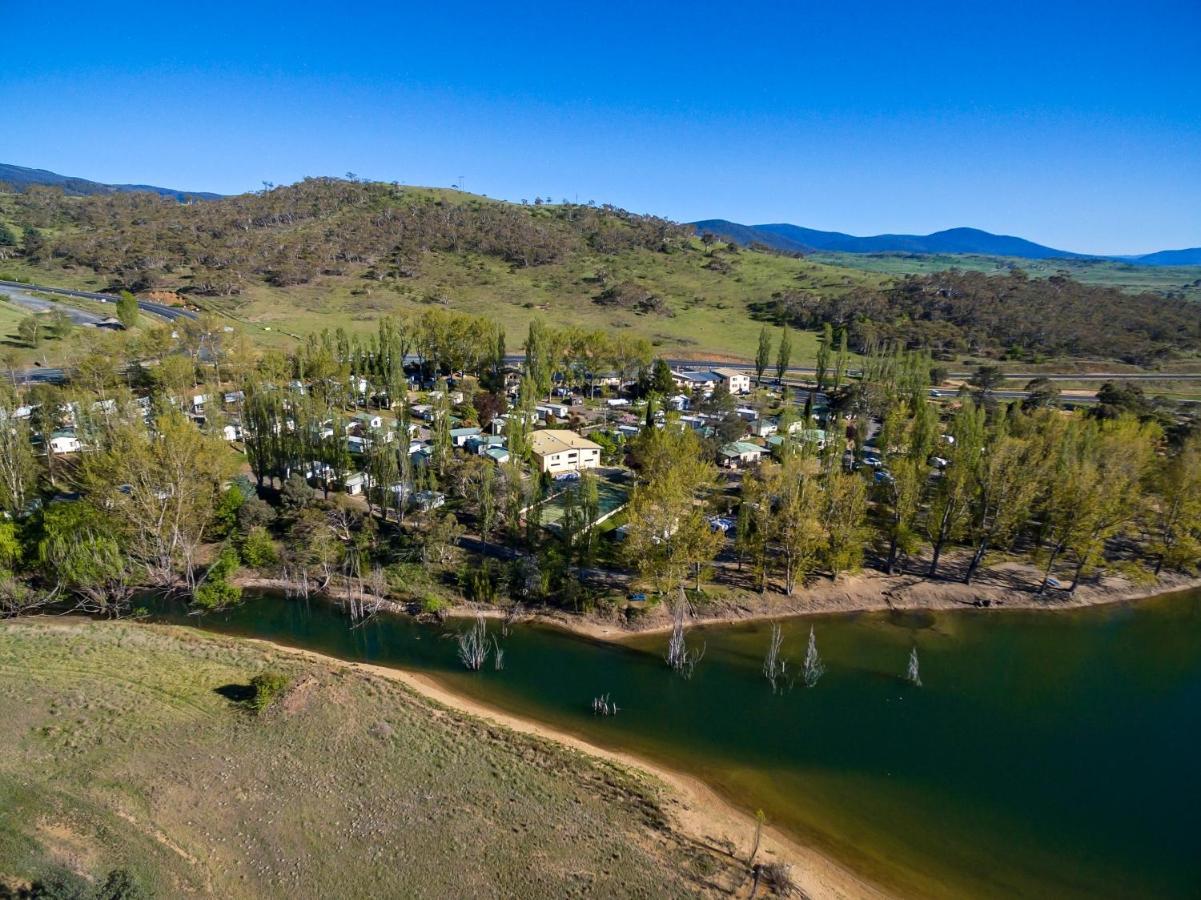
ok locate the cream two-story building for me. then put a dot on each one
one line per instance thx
(559, 450)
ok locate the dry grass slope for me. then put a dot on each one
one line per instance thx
(119, 751)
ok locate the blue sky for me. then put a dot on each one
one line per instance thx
(1073, 124)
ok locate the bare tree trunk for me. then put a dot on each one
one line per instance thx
(977, 558)
(1050, 565)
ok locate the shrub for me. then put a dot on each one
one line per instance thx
(266, 687)
(432, 604)
(258, 549)
(225, 516)
(255, 512)
(216, 591)
(296, 493)
(120, 885)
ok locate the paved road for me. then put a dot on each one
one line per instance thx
(45, 375)
(25, 300)
(170, 313)
(1012, 376)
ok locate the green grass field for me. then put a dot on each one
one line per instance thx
(119, 751)
(10, 316)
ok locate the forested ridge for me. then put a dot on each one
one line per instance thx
(289, 235)
(957, 311)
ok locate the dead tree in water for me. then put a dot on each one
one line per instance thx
(296, 583)
(913, 675)
(473, 645)
(498, 655)
(369, 598)
(814, 667)
(603, 706)
(678, 656)
(774, 668)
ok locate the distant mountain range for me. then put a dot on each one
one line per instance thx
(21, 177)
(795, 239)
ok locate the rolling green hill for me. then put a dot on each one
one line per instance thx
(328, 253)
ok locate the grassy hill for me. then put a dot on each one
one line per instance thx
(123, 748)
(335, 253)
(460, 251)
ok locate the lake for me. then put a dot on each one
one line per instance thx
(1046, 754)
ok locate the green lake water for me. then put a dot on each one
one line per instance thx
(1047, 754)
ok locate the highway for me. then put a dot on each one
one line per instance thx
(25, 300)
(170, 313)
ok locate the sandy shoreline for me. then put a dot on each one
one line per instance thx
(1005, 587)
(695, 808)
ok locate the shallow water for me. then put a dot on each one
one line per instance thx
(1047, 754)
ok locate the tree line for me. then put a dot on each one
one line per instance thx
(1105, 488)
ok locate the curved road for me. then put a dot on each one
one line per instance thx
(170, 313)
(25, 300)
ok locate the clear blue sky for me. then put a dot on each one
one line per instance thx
(1073, 124)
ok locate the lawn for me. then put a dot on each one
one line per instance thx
(123, 748)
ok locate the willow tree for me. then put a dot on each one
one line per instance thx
(950, 503)
(843, 515)
(82, 556)
(1174, 509)
(1092, 488)
(1123, 455)
(18, 465)
(1004, 489)
(159, 487)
